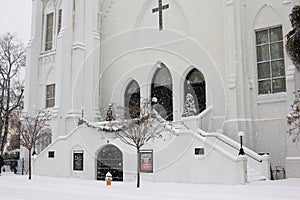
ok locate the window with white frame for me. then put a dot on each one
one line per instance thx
(270, 61)
(49, 31)
(53, 16)
(50, 96)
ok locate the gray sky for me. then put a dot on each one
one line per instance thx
(15, 17)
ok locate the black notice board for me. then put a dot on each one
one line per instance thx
(78, 160)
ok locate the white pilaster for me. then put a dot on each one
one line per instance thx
(32, 61)
(292, 162)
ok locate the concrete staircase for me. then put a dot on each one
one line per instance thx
(253, 175)
(258, 166)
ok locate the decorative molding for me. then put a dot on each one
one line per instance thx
(232, 82)
(228, 2)
(30, 42)
(96, 34)
(78, 45)
(74, 113)
(251, 83)
(272, 98)
(61, 32)
(287, 2)
(233, 120)
(47, 58)
(54, 112)
(290, 73)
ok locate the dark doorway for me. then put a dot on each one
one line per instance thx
(110, 159)
(161, 89)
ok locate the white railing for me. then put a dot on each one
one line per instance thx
(260, 163)
(201, 121)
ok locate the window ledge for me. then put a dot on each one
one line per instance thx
(48, 53)
(271, 98)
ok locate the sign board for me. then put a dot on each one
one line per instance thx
(78, 160)
(146, 157)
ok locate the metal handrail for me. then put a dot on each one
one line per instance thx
(217, 137)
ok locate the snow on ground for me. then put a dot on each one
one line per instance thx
(14, 187)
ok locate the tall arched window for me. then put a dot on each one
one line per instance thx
(49, 26)
(194, 93)
(53, 15)
(132, 99)
(162, 90)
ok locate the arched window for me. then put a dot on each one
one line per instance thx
(132, 99)
(162, 90)
(194, 93)
(52, 24)
(270, 59)
(48, 26)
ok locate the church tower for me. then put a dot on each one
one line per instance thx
(63, 54)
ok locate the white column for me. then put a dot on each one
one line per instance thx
(241, 170)
(266, 164)
(238, 101)
(32, 55)
(77, 57)
(63, 71)
(92, 60)
(231, 65)
(292, 162)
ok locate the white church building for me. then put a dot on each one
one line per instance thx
(225, 57)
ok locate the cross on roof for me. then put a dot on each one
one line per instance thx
(160, 9)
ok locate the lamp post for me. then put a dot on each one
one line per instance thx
(241, 134)
(34, 152)
(82, 112)
(154, 100)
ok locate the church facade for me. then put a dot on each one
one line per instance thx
(216, 68)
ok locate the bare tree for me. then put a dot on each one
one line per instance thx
(135, 132)
(138, 131)
(31, 131)
(293, 119)
(12, 58)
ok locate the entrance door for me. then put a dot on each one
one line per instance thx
(110, 159)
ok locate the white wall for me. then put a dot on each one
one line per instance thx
(174, 159)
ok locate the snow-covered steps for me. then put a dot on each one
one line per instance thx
(258, 166)
(253, 175)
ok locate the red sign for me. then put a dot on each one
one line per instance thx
(146, 161)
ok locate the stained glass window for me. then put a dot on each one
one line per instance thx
(194, 93)
(132, 99)
(161, 89)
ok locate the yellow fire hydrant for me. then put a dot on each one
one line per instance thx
(108, 179)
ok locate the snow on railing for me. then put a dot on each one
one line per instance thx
(260, 163)
(198, 121)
